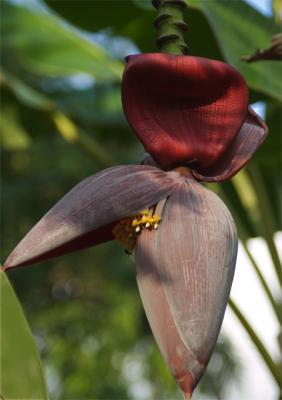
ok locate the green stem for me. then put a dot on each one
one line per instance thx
(170, 26)
(268, 223)
(273, 368)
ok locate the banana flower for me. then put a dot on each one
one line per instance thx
(192, 116)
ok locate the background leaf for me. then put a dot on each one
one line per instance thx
(95, 16)
(21, 372)
(48, 46)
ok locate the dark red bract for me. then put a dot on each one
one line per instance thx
(189, 110)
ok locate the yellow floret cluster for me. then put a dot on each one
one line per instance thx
(128, 229)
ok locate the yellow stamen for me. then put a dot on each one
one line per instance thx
(135, 222)
(145, 212)
(128, 229)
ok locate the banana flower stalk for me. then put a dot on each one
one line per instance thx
(192, 116)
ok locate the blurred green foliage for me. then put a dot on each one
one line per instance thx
(59, 49)
(19, 356)
(64, 58)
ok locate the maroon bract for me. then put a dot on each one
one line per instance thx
(192, 111)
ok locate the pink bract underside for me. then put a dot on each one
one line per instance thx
(89, 239)
(83, 217)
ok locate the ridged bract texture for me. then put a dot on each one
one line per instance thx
(184, 273)
(191, 111)
(178, 104)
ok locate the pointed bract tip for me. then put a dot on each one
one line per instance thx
(4, 267)
(186, 384)
(87, 214)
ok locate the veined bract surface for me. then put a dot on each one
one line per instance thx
(184, 272)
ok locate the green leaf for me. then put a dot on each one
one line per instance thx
(98, 15)
(49, 45)
(240, 30)
(23, 376)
